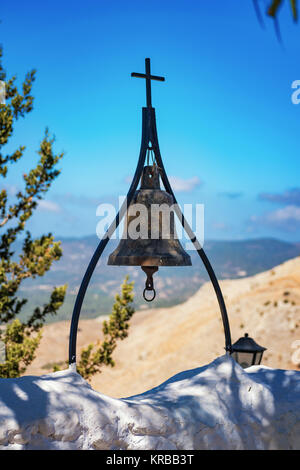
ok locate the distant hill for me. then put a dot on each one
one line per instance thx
(230, 259)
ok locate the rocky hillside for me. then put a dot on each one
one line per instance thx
(230, 259)
(165, 341)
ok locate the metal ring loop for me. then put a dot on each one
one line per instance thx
(154, 294)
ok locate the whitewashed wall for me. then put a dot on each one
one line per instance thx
(220, 406)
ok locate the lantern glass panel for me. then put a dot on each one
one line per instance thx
(258, 358)
(244, 359)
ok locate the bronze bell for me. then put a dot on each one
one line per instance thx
(149, 239)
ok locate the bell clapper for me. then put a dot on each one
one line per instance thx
(149, 270)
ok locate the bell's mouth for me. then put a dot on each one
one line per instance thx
(159, 261)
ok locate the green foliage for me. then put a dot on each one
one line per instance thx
(37, 255)
(273, 12)
(20, 347)
(274, 8)
(116, 328)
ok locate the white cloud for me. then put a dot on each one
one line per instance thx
(49, 206)
(11, 189)
(184, 185)
(178, 184)
(286, 218)
(288, 213)
(291, 197)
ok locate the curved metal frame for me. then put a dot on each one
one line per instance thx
(149, 134)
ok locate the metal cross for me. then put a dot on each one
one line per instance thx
(148, 78)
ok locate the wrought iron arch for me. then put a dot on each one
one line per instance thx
(149, 134)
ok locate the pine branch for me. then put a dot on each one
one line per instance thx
(37, 255)
(94, 357)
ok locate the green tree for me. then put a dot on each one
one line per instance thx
(276, 4)
(21, 338)
(273, 9)
(95, 356)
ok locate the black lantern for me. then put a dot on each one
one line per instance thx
(247, 352)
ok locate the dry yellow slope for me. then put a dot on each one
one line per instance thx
(166, 341)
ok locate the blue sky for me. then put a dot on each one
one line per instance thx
(228, 130)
